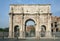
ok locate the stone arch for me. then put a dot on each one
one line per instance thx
(32, 30)
(16, 30)
(30, 19)
(43, 30)
(43, 27)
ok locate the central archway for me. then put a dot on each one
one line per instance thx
(30, 28)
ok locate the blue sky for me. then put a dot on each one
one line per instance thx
(4, 8)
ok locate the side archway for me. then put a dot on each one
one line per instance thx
(43, 30)
(16, 31)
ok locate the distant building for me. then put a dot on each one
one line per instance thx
(55, 23)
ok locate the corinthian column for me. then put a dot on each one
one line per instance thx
(11, 33)
(11, 26)
(48, 32)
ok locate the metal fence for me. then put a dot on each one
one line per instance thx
(6, 34)
(56, 34)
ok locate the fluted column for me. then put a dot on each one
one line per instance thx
(37, 27)
(48, 32)
(11, 26)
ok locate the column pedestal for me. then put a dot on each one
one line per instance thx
(22, 36)
(48, 35)
(11, 34)
(37, 35)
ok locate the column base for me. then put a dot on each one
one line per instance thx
(10, 37)
(21, 37)
(48, 34)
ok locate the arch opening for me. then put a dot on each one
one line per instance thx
(16, 31)
(30, 28)
(43, 30)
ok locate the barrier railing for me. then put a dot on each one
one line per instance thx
(56, 34)
(42, 34)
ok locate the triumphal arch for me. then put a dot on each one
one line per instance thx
(20, 14)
